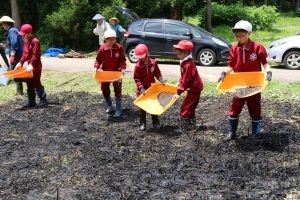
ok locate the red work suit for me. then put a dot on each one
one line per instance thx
(32, 55)
(111, 59)
(144, 74)
(191, 82)
(247, 59)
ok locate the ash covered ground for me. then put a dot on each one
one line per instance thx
(73, 150)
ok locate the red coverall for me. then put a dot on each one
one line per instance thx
(32, 55)
(112, 59)
(144, 74)
(247, 59)
(192, 83)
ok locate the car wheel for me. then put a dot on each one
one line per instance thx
(131, 55)
(207, 57)
(292, 60)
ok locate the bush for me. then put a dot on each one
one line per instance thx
(261, 18)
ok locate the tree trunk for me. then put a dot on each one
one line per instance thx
(177, 13)
(297, 6)
(280, 5)
(208, 25)
(266, 2)
(15, 15)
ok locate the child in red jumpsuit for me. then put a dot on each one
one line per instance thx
(111, 58)
(245, 56)
(191, 82)
(145, 71)
(32, 55)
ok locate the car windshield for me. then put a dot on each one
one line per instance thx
(200, 29)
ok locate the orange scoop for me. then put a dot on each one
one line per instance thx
(149, 101)
(107, 76)
(18, 73)
(240, 80)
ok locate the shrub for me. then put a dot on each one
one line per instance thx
(261, 18)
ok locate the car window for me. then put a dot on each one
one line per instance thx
(174, 29)
(195, 33)
(137, 26)
(154, 27)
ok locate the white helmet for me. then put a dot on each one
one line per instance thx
(109, 33)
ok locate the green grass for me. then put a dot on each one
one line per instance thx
(56, 82)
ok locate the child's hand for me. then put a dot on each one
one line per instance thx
(177, 96)
(142, 91)
(162, 80)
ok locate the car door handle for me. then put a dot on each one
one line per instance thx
(143, 35)
(169, 39)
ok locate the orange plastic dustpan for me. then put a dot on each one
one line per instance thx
(151, 102)
(107, 76)
(18, 73)
(243, 80)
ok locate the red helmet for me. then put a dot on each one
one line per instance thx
(184, 45)
(25, 28)
(141, 51)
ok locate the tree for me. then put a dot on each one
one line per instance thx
(15, 15)
(208, 25)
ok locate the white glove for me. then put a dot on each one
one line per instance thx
(123, 72)
(29, 68)
(177, 96)
(19, 65)
(177, 84)
(95, 70)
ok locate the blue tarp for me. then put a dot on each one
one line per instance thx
(53, 52)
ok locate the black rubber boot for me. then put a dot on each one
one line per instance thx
(233, 125)
(155, 122)
(31, 98)
(142, 120)
(183, 126)
(42, 95)
(19, 88)
(109, 108)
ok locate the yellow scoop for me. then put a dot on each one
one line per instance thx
(157, 99)
(251, 82)
(18, 73)
(107, 76)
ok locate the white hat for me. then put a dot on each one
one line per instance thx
(6, 19)
(243, 25)
(98, 16)
(109, 33)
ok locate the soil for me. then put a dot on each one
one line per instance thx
(72, 149)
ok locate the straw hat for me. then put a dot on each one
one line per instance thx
(114, 18)
(6, 19)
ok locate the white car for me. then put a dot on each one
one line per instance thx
(287, 51)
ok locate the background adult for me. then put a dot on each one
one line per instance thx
(101, 27)
(114, 25)
(14, 44)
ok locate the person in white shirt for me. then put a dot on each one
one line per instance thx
(101, 27)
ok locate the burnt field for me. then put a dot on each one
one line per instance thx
(73, 150)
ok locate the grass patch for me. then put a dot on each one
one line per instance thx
(56, 82)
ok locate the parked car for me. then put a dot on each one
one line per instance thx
(161, 34)
(287, 51)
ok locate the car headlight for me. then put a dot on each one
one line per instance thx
(220, 42)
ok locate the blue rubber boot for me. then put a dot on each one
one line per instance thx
(256, 126)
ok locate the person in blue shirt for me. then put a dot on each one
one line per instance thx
(114, 25)
(14, 45)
